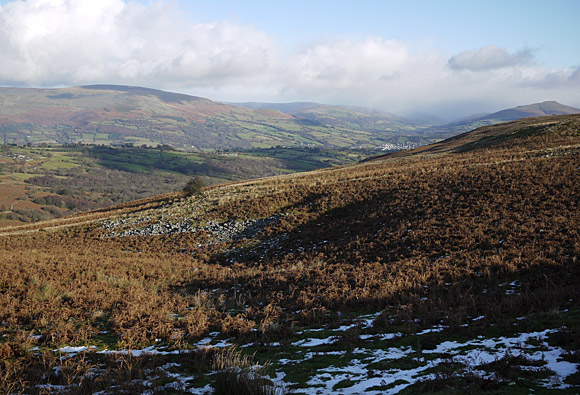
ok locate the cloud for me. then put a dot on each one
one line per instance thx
(575, 76)
(47, 43)
(51, 42)
(490, 57)
(367, 71)
(342, 63)
(392, 75)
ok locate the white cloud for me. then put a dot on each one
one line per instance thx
(490, 57)
(72, 42)
(371, 71)
(348, 62)
(48, 42)
(391, 75)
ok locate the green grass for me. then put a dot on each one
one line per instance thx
(21, 176)
(65, 164)
(389, 386)
(59, 163)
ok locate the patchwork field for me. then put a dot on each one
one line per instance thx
(115, 115)
(40, 182)
(449, 269)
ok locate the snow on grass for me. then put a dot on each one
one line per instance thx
(357, 377)
(382, 336)
(74, 350)
(204, 342)
(490, 350)
(349, 372)
(151, 350)
(313, 342)
(562, 369)
(505, 342)
(436, 328)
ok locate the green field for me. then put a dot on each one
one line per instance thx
(115, 115)
(80, 177)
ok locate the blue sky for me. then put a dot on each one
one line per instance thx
(551, 27)
(448, 58)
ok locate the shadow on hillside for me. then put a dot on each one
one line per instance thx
(432, 259)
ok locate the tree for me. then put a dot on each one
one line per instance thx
(194, 186)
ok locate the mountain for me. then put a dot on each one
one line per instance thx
(114, 115)
(452, 268)
(531, 110)
(532, 133)
(362, 118)
(432, 127)
(122, 115)
(287, 108)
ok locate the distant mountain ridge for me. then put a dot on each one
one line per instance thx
(120, 115)
(530, 133)
(288, 108)
(511, 114)
(430, 124)
(117, 114)
(367, 119)
(168, 97)
(533, 110)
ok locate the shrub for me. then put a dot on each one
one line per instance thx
(194, 186)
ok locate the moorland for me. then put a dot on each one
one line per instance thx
(449, 268)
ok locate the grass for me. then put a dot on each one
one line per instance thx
(52, 171)
(237, 373)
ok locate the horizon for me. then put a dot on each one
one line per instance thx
(403, 115)
(447, 59)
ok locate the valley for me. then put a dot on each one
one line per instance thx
(449, 268)
(274, 198)
(41, 182)
(120, 115)
(73, 149)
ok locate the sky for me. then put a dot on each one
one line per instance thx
(445, 58)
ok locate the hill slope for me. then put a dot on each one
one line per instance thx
(527, 111)
(447, 269)
(529, 133)
(360, 118)
(533, 110)
(110, 114)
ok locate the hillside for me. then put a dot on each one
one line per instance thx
(534, 110)
(360, 118)
(39, 182)
(429, 126)
(528, 132)
(121, 115)
(114, 115)
(527, 111)
(450, 269)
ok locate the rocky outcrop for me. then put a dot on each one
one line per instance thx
(231, 230)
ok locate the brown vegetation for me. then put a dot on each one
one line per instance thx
(434, 239)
